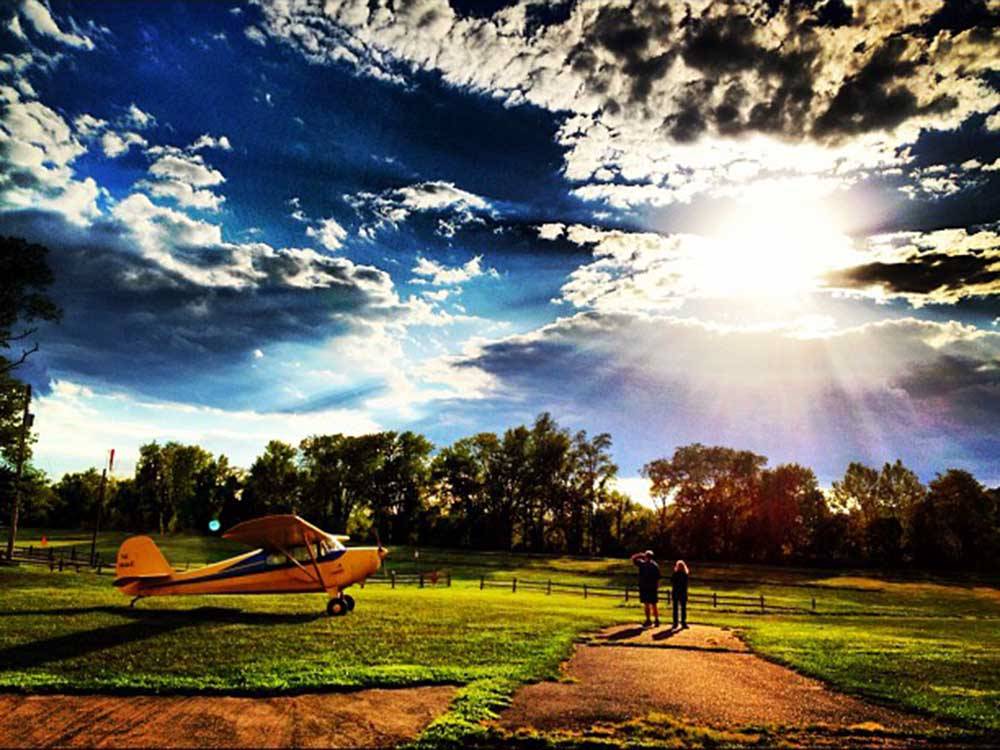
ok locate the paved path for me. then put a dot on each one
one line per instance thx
(366, 718)
(704, 675)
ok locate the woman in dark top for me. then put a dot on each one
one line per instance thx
(649, 584)
(679, 592)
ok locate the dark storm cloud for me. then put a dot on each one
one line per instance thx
(626, 33)
(877, 98)
(934, 275)
(129, 319)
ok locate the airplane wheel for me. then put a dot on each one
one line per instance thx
(337, 607)
(350, 602)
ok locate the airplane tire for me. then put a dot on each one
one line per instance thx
(350, 602)
(337, 607)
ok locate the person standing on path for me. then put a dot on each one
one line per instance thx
(679, 592)
(649, 584)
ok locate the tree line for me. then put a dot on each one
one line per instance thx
(543, 488)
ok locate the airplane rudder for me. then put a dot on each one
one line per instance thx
(139, 556)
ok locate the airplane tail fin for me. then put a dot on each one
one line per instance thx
(139, 557)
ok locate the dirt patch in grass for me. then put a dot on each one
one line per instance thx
(703, 675)
(366, 718)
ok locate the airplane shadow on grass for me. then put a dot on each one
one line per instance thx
(146, 623)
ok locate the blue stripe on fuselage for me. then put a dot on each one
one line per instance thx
(257, 563)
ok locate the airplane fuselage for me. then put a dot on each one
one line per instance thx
(261, 572)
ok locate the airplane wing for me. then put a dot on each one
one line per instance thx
(277, 533)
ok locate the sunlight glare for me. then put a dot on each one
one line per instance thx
(777, 243)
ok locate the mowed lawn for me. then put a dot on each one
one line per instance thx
(67, 631)
(927, 645)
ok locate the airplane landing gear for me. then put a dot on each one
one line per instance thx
(338, 606)
(350, 602)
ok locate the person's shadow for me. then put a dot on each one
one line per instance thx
(662, 635)
(625, 633)
(146, 623)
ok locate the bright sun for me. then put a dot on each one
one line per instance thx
(777, 243)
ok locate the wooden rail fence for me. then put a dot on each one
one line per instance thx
(631, 593)
(421, 579)
(58, 558)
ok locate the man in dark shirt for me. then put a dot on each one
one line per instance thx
(649, 584)
(679, 592)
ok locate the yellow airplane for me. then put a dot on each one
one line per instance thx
(294, 557)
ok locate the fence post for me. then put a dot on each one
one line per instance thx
(60, 563)
(814, 604)
(421, 580)
(715, 600)
(30, 550)
(626, 594)
(548, 589)
(762, 603)
(670, 593)
(448, 577)
(392, 578)
(513, 586)
(98, 566)
(584, 591)
(482, 582)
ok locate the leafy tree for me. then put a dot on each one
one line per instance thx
(786, 514)
(593, 470)
(957, 523)
(165, 482)
(710, 492)
(403, 479)
(23, 299)
(76, 498)
(879, 505)
(273, 482)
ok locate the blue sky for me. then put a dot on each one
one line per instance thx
(753, 224)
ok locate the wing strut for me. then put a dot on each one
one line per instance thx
(312, 557)
(303, 569)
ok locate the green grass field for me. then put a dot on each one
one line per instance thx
(931, 646)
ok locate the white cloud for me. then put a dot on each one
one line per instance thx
(40, 17)
(392, 207)
(190, 169)
(183, 177)
(329, 233)
(630, 108)
(39, 149)
(207, 141)
(88, 125)
(115, 144)
(194, 249)
(77, 424)
(255, 35)
(138, 118)
(439, 274)
(183, 194)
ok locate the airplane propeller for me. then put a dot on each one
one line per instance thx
(382, 552)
